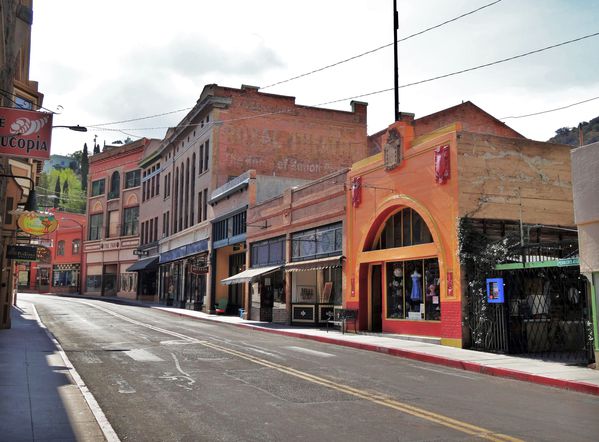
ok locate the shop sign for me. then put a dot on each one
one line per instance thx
(21, 253)
(495, 291)
(198, 270)
(25, 133)
(37, 223)
(140, 252)
(43, 254)
(568, 262)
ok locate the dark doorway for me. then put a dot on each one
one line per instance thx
(376, 296)
(236, 265)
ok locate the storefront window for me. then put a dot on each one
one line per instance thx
(320, 242)
(412, 290)
(269, 252)
(93, 283)
(129, 282)
(65, 278)
(317, 286)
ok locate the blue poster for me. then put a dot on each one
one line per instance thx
(495, 290)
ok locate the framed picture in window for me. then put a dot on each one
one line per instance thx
(325, 298)
(306, 292)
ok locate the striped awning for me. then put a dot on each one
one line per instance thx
(314, 264)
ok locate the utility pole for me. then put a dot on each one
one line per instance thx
(395, 65)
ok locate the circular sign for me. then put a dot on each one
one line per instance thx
(36, 223)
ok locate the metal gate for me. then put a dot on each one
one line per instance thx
(544, 315)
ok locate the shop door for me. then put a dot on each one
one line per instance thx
(109, 280)
(43, 277)
(236, 264)
(376, 296)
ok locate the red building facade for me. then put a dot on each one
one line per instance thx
(60, 258)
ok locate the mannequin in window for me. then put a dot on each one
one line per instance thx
(416, 294)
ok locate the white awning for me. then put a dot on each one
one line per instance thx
(248, 275)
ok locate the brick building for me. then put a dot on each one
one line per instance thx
(114, 184)
(59, 265)
(296, 253)
(228, 132)
(441, 186)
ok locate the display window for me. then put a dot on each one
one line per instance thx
(413, 290)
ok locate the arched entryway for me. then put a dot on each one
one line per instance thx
(400, 268)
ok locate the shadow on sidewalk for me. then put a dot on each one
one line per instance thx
(38, 400)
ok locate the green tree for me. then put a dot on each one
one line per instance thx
(84, 166)
(57, 194)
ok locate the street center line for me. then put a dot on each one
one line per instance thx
(380, 399)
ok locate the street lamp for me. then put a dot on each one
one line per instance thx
(76, 128)
(31, 203)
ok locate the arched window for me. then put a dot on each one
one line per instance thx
(404, 228)
(192, 191)
(186, 216)
(176, 200)
(115, 185)
(76, 246)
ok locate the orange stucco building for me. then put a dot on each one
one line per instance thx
(405, 203)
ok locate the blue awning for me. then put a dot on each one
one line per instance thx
(184, 251)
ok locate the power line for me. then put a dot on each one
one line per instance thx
(369, 93)
(536, 51)
(551, 110)
(139, 119)
(7, 93)
(381, 47)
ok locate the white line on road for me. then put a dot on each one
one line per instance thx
(141, 355)
(124, 386)
(311, 352)
(420, 367)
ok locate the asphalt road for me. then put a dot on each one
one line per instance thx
(159, 377)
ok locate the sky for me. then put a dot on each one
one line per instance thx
(107, 61)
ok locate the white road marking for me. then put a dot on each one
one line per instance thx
(173, 377)
(442, 372)
(141, 355)
(311, 352)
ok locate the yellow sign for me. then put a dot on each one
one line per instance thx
(36, 223)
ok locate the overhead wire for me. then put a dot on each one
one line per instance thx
(551, 110)
(381, 47)
(462, 71)
(503, 60)
(319, 69)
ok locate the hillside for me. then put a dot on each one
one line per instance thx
(569, 135)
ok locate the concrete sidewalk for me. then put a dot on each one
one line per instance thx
(40, 394)
(554, 374)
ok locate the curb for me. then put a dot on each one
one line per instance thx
(474, 367)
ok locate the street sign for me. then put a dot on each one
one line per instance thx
(21, 253)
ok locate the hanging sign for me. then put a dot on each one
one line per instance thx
(442, 164)
(37, 223)
(356, 191)
(25, 133)
(43, 254)
(21, 253)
